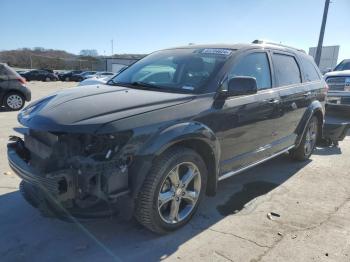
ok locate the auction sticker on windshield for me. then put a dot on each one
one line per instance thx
(217, 51)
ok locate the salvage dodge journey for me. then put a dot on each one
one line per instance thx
(160, 135)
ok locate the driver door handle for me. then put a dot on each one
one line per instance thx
(307, 94)
(274, 101)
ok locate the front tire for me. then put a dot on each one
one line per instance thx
(308, 141)
(172, 191)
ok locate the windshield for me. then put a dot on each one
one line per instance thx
(344, 65)
(177, 70)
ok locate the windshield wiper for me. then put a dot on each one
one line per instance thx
(143, 84)
(137, 84)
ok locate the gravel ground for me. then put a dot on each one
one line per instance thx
(312, 200)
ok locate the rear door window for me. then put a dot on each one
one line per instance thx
(254, 65)
(286, 69)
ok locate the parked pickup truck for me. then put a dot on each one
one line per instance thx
(338, 102)
(161, 134)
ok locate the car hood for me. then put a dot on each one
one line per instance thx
(338, 73)
(85, 109)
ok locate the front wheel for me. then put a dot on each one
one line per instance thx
(172, 190)
(308, 141)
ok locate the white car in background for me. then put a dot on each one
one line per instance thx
(95, 81)
(100, 78)
(100, 75)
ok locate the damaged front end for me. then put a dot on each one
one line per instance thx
(77, 175)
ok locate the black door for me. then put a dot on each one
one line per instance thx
(247, 123)
(41, 75)
(32, 75)
(295, 97)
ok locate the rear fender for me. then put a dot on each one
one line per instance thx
(315, 108)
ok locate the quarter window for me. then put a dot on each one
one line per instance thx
(286, 69)
(310, 71)
(254, 65)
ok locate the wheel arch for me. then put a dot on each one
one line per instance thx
(193, 135)
(315, 109)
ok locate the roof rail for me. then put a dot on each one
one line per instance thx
(257, 41)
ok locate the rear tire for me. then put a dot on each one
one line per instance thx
(168, 201)
(14, 101)
(308, 141)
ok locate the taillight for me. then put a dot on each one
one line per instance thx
(22, 80)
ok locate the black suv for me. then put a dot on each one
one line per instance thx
(162, 133)
(40, 75)
(67, 76)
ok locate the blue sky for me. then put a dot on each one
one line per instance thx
(144, 26)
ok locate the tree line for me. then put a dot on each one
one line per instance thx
(39, 57)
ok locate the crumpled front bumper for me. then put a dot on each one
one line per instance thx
(53, 194)
(28, 174)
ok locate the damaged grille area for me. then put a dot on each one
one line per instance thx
(77, 170)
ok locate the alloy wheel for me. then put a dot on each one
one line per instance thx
(311, 137)
(179, 193)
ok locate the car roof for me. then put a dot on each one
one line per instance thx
(242, 47)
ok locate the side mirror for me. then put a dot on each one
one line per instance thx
(242, 85)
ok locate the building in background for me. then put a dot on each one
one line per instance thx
(117, 62)
(329, 57)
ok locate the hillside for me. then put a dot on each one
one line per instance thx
(46, 58)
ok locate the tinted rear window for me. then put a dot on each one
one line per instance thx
(286, 69)
(310, 70)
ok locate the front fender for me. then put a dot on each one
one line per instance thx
(177, 133)
(161, 141)
(315, 108)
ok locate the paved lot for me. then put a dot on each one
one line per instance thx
(312, 199)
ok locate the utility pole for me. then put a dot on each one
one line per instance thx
(320, 40)
(31, 61)
(112, 46)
